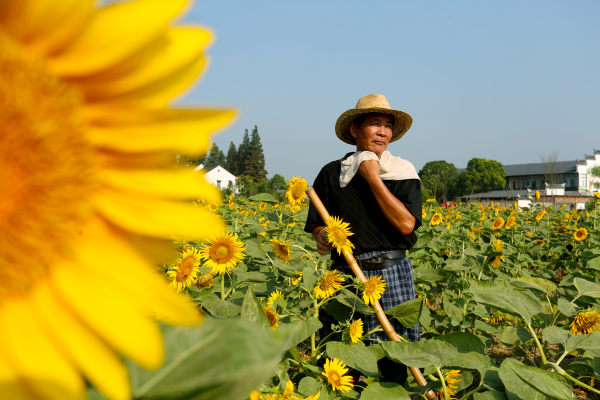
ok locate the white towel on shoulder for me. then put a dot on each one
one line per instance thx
(391, 168)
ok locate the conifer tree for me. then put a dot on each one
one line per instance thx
(254, 165)
(215, 157)
(231, 158)
(242, 152)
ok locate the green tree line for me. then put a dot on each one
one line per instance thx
(442, 181)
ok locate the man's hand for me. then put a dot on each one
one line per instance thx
(321, 238)
(369, 170)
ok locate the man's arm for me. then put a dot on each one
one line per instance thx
(321, 238)
(393, 209)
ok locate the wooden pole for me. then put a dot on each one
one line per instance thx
(383, 320)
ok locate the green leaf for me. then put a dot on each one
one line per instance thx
(355, 356)
(540, 284)
(513, 385)
(309, 279)
(471, 360)
(511, 302)
(353, 301)
(408, 313)
(549, 383)
(514, 335)
(594, 263)
(464, 342)
(589, 342)
(253, 250)
(221, 308)
(587, 288)
(452, 311)
(555, 335)
(252, 310)
(484, 396)
(216, 360)
(257, 277)
(264, 197)
(486, 328)
(427, 275)
(309, 386)
(420, 354)
(338, 310)
(384, 391)
(567, 308)
(377, 351)
(303, 329)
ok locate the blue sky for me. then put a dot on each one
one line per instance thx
(510, 81)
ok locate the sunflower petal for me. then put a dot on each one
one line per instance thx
(12, 388)
(118, 262)
(110, 314)
(183, 131)
(115, 32)
(183, 47)
(175, 218)
(26, 345)
(97, 362)
(181, 183)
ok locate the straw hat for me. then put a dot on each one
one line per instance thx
(373, 103)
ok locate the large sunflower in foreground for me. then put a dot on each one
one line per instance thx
(296, 190)
(334, 372)
(89, 189)
(337, 234)
(222, 252)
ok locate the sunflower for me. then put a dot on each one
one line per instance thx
(423, 214)
(212, 207)
(436, 219)
(451, 378)
(334, 371)
(498, 223)
(562, 229)
(580, 234)
(186, 271)
(262, 206)
(288, 394)
(597, 194)
(448, 225)
(356, 331)
(296, 191)
(274, 296)
(91, 188)
(205, 280)
(281, 249)
(330, 283)
(585, 322)
(374, 288)
(230, 200)
(516, 206)
(477, 231)
(537, 194)
(222, 252)
(496, 261)
(540, 215)
(498, 245)
(297, 279)
(511, 222)
(337, 234)
(272, 317)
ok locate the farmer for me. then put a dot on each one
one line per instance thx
(380, 196)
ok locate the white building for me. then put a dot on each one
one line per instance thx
(219, 177)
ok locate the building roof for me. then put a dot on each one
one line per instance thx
(498, 194)
(561, 167)
(208, 169)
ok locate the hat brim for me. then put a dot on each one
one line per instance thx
(402, 123)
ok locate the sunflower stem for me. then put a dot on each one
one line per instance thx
(562, 372)
(537, 343)
(466, 396)
(446, 395)
(313, 347)
(223, 287)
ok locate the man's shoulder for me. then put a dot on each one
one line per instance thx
(334, 166)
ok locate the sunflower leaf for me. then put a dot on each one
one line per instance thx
(421, 354)
(587, 288)
(408, 313)
(221, 308)
(547, 383)
(353, 301)
(264, 198)
(252, 310)
(355, 356)
(302, 329)
(217, 360)
(510, 301)
(383, 391)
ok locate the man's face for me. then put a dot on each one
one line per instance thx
(374, 134)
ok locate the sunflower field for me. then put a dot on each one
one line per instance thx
(508, 301)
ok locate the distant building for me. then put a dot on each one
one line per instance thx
(571, 183)
(219, 177)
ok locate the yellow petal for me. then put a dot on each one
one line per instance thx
(110, 314)
(181, 47)
(164, 91)
(181, 183)
(10, 384)
(34, 357)
(120, 264)
(99, 363)
(116, 32)
(157, 218)
(180, 131)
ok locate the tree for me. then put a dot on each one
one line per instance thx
(438, 176)
(278, 183)
(481, 175)
(595, 173)
(215, 157)
(254, 162)
(549, 163)
(231, 158)
(242, 154)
